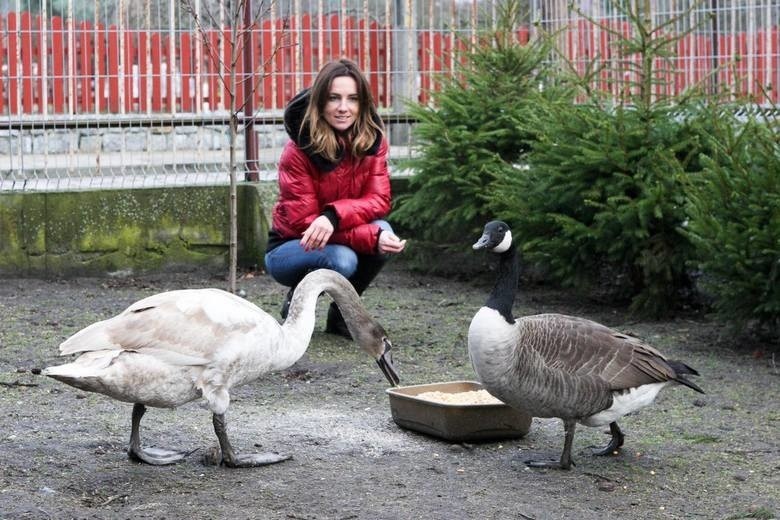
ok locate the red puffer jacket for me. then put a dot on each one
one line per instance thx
(357, 190)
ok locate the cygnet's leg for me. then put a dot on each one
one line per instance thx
(154, 456)
(566, 461)
(614, 443)
(229, 457)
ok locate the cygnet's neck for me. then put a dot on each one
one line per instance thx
(301, 318)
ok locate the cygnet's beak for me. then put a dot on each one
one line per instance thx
(385, 362)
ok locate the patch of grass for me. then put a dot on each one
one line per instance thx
(700, 438)
(761, 513)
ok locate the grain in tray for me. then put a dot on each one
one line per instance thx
(459, 398)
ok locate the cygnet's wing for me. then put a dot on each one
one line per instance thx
(183, 327)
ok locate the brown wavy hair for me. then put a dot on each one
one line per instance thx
(362, 134)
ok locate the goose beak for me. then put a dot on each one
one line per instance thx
(482, 243)
(385, 363)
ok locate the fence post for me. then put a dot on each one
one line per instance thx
(250, 139)
(404, 63)
(713, 82)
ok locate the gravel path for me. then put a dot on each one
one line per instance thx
(62, 455)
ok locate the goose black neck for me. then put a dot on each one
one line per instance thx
(502, 297)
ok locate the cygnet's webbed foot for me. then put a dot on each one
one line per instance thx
(153, 456)
(156, 456)
(233, 460)
(254, 460)
(614, 443)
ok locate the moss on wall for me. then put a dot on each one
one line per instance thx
(138, 230)
(253, 224)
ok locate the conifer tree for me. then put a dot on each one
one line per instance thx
(735, 220)
(474, 127)
(603, 200)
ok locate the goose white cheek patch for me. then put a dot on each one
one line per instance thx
(505, 244)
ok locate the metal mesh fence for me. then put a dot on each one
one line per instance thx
(135, 93)
(69, 152)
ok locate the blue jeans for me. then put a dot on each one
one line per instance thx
(289, 262)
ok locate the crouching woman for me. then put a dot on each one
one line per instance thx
(334, 188)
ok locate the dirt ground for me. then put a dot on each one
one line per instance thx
(62, 451)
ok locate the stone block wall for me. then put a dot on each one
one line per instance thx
(141, 139)
(60, 234)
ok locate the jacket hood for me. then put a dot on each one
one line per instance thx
(293, 120)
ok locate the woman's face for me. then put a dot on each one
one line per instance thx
(343, 106)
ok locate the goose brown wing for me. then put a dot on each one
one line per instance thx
(588, 349)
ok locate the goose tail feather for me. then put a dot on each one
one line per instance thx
(681, 370)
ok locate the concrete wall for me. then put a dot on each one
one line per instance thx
(60, 234)
(159, 138)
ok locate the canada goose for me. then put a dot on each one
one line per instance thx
(551, 365)
(177, 346)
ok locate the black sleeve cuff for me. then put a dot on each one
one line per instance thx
(331, 215)
(378, 234)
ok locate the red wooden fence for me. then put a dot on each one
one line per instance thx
(97, 69)
(49, 67)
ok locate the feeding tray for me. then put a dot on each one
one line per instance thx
(454, 420)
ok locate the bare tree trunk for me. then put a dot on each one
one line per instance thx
(241, 20)
(233, 247)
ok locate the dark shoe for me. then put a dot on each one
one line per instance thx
(286, 303)
(336, 324)
(368, 268)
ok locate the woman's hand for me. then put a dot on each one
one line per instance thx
(389, 243)
(317, 234)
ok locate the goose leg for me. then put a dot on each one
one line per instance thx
(229, 457)
(614, 443)
(153, 456)
(566, 461)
